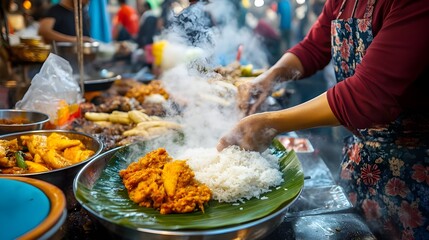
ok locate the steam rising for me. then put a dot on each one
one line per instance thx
(210, 108)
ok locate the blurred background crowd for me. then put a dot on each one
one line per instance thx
(279, 23)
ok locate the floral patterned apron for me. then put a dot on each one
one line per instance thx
(385, 169)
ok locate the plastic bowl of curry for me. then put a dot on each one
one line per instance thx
(54, 156)
(15, 120)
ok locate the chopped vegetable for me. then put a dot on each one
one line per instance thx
(20, 162)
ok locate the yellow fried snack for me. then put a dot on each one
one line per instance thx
(37, 158)
(54, 160)
(36, 144)
(34, 167)
(138, 116)
(170, 176)
(60, 142)
(77, 154)
(93, 116)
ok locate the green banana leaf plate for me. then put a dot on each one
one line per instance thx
(100, 190)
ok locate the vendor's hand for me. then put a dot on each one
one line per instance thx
(87, 39)
(252, 133)
(253, 93)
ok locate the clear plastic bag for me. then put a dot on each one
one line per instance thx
(53, 91)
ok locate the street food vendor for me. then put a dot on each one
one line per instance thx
(59, 23)
(379, 50)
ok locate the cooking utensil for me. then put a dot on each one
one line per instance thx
(99, 190)
(30, 53)
(99, 81)
(69, 51)
(100, 84)
(34, 120)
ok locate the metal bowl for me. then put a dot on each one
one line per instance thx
(31, 41)
(63, 177)
(68, 51)
(70, 48)
(89, 175)
(101, 84)
(30, 53)
(37, 120)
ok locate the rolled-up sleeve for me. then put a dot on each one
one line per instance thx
(314, 51)
(387, 81)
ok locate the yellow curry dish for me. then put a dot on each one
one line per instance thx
(40, 153)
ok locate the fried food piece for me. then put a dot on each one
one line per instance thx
(158, 181)
(77, 154)
(34, 167)
(95, 116)
(141, 91)
(54, 160)
(170, 176)
(138, 116)
(183, 192)
(60, 142)
(6, 148)
(36, 144)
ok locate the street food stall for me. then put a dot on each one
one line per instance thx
(121, 119)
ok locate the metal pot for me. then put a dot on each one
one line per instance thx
(35, 120)
(68, 51)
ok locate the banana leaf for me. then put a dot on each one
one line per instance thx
(108, 198)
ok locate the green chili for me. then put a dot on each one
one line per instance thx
(20, 160)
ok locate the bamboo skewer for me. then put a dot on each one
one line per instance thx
(79, 45)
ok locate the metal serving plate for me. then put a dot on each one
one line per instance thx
(87, 178)
(101, 84)
(36, 120)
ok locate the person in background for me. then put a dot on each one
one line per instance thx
(125, 23)
(39, 9)
(148, 26)
(379, 51)
(59, 23)
(284, 10)
(148, 29)
(270, 39)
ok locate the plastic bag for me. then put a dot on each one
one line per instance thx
(54, 91)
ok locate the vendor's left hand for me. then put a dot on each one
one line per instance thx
(252, 133)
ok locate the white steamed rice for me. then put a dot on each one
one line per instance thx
(234, 174)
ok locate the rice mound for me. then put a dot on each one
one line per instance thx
(234, 174)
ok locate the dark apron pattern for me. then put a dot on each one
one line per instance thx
(385, 169)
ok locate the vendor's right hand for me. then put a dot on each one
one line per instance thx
(252, 94)
(253, 133)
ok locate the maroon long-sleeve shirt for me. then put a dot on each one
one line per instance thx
(393, 76)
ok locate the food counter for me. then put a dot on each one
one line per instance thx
(321, 210)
